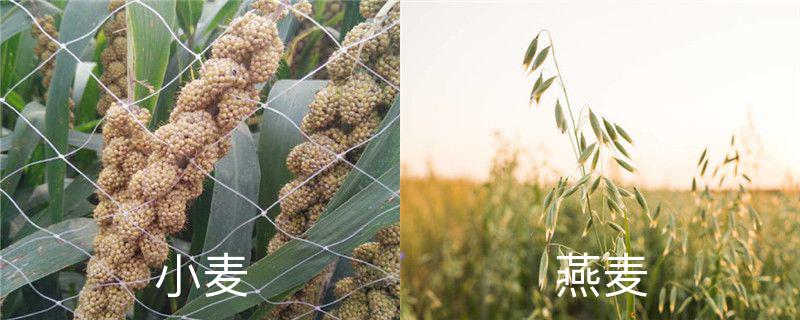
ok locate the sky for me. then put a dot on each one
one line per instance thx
(679, 77)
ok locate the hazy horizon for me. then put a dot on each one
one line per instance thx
(679, 78)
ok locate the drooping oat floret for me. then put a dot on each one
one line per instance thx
(150, 202)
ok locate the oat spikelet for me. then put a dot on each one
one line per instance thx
(154, 190)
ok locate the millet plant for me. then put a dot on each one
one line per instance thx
(186, 125)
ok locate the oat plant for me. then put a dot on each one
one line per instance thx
(595, 146)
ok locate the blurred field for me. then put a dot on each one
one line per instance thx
(472, 251)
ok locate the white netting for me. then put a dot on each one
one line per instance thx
(59, 302)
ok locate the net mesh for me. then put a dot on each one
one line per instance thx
(197, 58)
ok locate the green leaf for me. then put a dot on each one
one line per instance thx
(341, 227)
(148, 39)
(40, 254)
(85, 110)
(26, 62)
(352, 17)
(381, 155)
(80, 18)
(76, 205)
(214, 14)
(353, 223)
(277, 137)
(227, 231)
(23, 140)
(189, 12)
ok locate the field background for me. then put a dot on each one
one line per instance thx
(472, 250)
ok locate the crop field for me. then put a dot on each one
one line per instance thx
(473, 250)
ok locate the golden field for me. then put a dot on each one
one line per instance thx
(472, 250)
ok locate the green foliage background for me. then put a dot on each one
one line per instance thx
(48, 193)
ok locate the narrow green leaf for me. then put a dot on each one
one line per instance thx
(148, 38)
(352, 17)
(226, 233)
(294, 264)
(215, 14)
(189, 12)
(85, 109)
(23, 140)
(80, 17)
(40, 254)
(277, 137)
